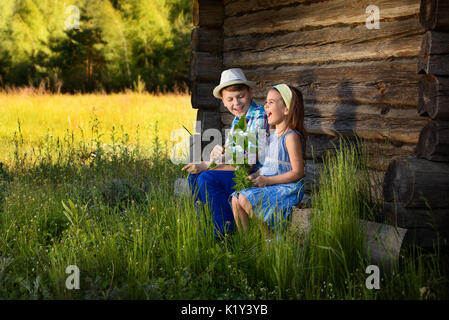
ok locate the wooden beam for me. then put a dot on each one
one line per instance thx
(417, 183)
(434, 97)
(207, 13)
(434, 54)
(434, 14)
(434, 142)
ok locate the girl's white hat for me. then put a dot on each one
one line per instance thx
(230, 77)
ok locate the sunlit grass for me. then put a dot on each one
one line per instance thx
(131, 113)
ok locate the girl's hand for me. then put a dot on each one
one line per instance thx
(254, 175)
(260, 181)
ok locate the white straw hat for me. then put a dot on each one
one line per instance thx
(230, 77)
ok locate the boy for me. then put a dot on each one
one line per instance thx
(236, 93)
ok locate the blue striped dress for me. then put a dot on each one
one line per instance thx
(274, 203)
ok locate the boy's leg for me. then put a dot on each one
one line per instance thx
(215, 187)
(193, 185)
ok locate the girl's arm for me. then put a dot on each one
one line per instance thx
(294, 149)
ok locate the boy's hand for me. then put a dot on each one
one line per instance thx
(216, 154)
(196, 168)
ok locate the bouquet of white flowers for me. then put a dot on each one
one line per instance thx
(241, 153)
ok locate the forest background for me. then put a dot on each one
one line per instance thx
(137, 44)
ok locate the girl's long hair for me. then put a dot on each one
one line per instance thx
(295, 117)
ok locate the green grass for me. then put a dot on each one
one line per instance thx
(111, 212)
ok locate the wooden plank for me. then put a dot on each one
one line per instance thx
(433, 142)
(316, 15)
(434, 14)
(417, 183)
(207, 40)
(205, 67)
(433, 98)
(202, 97)
(379, 49)
(434, 54)
(387, 82)
(207, 13)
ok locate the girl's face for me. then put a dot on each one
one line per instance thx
(275, 107)
(237, 102)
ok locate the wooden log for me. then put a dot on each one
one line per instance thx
(343, 34)
(387, 82)
(240, 7)
(205, 67)
(410, 218)
(434, 97)
(316, 15)
(434, 54)
(382, 242)
(367, 121)
(434, 14)
(392, 47)
(202, 97)
(207, 40)
(433, 142)
(417, 183)
(426, 238)
(207, 13)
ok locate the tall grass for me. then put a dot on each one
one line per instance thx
(111, 212)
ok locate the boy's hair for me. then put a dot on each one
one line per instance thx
(295, 117)
(235, 87)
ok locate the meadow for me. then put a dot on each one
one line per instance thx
(75, 191)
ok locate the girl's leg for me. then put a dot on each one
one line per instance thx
(237, 212)
(245, 212)
(248, 208)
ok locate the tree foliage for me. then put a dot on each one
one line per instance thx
(117, 43)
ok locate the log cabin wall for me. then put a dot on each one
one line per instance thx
(354, 79)
(416, 189)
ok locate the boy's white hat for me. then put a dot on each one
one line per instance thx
(230, 77)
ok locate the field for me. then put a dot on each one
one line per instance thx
(75, 192)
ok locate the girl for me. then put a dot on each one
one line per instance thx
(278, 184)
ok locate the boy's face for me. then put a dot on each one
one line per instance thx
(237, 102)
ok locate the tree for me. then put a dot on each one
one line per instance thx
(79, 57)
